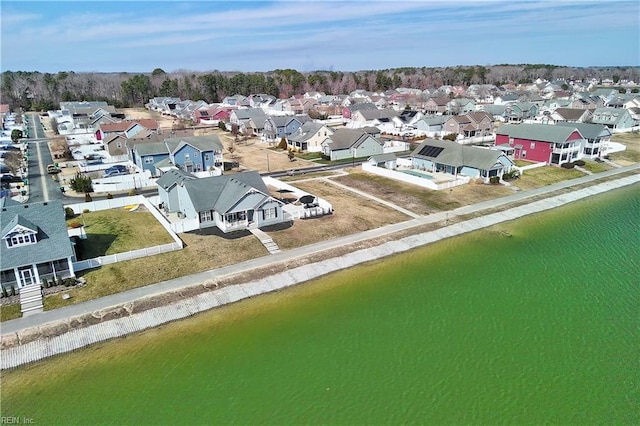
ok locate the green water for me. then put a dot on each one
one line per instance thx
(539, 327)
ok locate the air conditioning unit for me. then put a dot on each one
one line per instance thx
(181, 215)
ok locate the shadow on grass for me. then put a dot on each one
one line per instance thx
(215, 231)
(95, 245)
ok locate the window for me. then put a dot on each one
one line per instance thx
(21, 240)
(148, 160)
(510, 141)
(206, 216)
(523, 154)
(271, 213)
(207, 157)
(533, 145)
(119, 145)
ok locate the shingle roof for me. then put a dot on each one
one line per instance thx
(346, 138)
(202, 143)
(570, 113)
(172, 177)
(151, 148)
(53, 239)
(537, 132)
(221, 193)
(589, 130)
(454, 154)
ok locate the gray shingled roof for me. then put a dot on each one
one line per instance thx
(456, 155)
(201, 143)
(53, 239)
(151, 148)
(589, 130)
(251, 113)
(172, 177)
(221, 193)
(307, 130)
(537, 132)
(347, 138)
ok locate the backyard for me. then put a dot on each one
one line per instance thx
(632, 153)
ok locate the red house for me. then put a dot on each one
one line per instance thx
(544, 143)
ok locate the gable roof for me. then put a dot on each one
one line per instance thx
(537, 132)
(589, 130)
(48, 220)
(347, 138)
(121, 126)
(308, 130)
(453, 154)
(570, 113)
(222, 193)
(150, 148)
(201, 143)
(173, 177)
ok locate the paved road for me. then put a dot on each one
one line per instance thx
(154, 289)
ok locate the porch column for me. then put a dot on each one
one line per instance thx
(70, 263)
(16, 273)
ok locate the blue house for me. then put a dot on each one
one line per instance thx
(231, 202)
(147, 155)
(282, 126)
(196, 153)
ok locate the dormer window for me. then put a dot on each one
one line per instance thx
(20, 239)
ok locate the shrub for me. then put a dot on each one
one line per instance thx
(132, 192)
(13, 291)
(59, 282)
(86, 211)
(109, 196)
(5, 293)
(450, 137)
(87, 198)
(494, 179)
(579, 163)
(283, 144)
(69, 213)
(567, 165)
(75, 224)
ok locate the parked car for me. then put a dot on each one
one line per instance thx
(112, 173)
(9, 178)
(93, 157)
(52, 169)
(118, 167)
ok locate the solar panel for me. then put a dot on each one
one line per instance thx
(430, 151)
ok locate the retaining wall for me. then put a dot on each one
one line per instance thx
(80, 337)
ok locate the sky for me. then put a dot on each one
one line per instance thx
(354, 35)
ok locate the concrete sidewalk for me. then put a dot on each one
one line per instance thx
(195, 279)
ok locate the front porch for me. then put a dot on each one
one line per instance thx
(27, 275)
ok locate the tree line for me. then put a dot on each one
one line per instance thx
(44, 91)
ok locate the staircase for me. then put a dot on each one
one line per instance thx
(30, 299)
(266, 240)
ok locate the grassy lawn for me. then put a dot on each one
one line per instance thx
(523, 163)
(203, 251)
(417, 199)
(543, 176)
(352, 214)
(118, 230)
(309, 155)
(10, 312)
(596, 167)
(632, 153)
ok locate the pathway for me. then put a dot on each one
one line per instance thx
(122, 298)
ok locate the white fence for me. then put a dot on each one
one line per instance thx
(300, 212)
(124, 182)
(415, 180)
(133, 254)
(628, 130)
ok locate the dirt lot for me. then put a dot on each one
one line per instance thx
(165, 122)
(632, 153)
(353, 214)
(417, 199)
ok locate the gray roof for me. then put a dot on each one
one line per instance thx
(347, 138)
(454, 154)
(537, 132)
(201, 143)
(251, 113)
(48, 219)
(172, 177)
(281, 120)
(222, 193)
(435, 119)
(306, 131)
(570, 113)
(589, 130)
(381, 158)
(151, 148)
